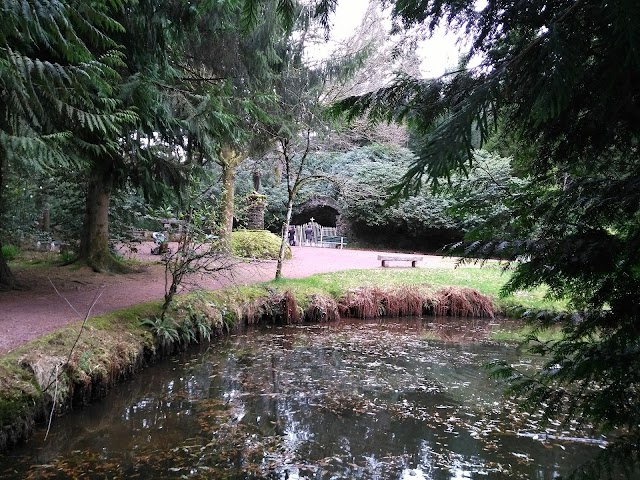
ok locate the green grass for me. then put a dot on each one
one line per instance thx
(10, 252)
(488, 280)
(35, 260)
(129, 316)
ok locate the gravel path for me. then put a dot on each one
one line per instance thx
(59, 296)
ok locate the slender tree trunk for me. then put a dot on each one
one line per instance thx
(94, 244)
(228, 199)
(7, 279)
(45, 219)
(283, 239)
(44, 222)
(257, 177)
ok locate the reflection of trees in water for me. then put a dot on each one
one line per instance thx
(353, 399)
(154, 409)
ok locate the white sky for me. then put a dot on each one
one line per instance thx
(439, 53)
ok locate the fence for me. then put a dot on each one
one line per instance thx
(319, 236)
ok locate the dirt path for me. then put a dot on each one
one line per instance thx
(26, 315)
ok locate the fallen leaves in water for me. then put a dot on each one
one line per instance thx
(348, 400)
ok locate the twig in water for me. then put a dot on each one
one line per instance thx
(53, 407)
(84, 322)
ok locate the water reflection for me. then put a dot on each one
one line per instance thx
(364, 400)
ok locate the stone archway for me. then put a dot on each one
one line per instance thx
(324, 210)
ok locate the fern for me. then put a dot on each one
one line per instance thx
(165, 330)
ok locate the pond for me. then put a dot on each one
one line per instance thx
(356, 399)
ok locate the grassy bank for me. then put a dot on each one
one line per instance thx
(488, 280)
(78, 364)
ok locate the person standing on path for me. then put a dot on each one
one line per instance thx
(308, 235)
(292, 235)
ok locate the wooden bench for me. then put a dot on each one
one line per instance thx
(399, 258)
(337, 242)
(137, 235)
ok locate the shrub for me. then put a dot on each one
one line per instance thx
(10, 252)
(258, 244)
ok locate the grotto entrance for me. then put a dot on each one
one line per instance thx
(324, 211)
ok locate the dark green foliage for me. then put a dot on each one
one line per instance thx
(417, 222)
(43, 206)
(360, 180)
(58, 63)
(482, 200)
(560, 84)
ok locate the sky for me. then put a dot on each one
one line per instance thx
(439, 53)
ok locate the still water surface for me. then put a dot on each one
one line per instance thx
(363, 400)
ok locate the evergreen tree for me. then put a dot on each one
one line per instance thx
(561, 80)
(144, 155)
(236, 47)
(57, 64)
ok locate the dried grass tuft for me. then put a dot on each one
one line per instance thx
(47, 369)
(250, 312)
(292, 310)
(365, 302)
(462, 302)
(278, 307)
(322, 309)
(374, 302)
(404, 301)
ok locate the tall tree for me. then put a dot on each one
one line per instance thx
(150, 84)
(238, 46)
(293, 154)
(57, 64)
(561, 78)
(299, 126)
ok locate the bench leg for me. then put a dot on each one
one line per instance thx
(413, 264)
(384, 263)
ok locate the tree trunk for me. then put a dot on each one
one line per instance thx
(45, 219)
(227, 207)
(44, 222)
(229, 159)
(7, 279)
(283, 239)
(94, 244)
(257, 177)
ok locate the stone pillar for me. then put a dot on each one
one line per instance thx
(256, 204)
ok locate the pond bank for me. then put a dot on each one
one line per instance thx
(39, 309)
(78, 364)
